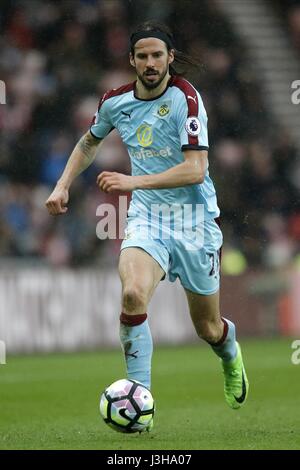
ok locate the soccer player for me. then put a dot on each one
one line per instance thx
(163, 123)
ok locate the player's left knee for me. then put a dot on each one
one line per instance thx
(210, 331)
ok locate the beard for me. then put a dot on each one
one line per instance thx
(151, 85)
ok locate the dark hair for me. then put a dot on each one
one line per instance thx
(182, 62)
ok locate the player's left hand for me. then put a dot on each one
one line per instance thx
(111, 181)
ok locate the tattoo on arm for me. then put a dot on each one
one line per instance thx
(87, 145)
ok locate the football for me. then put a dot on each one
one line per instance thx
(127, 406)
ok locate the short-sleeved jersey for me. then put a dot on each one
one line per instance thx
(156, 132)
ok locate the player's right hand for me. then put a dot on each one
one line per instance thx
(57, 201)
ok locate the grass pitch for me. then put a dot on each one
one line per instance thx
(51, 402)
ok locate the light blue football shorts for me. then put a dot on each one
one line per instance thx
(193, 257)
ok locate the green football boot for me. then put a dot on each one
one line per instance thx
(148, 428)
(236, 384)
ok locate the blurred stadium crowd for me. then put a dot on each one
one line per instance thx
(290, 12)
(57, 58)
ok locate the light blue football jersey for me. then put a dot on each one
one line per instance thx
(156, 132)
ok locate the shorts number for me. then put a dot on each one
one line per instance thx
(214, 259)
